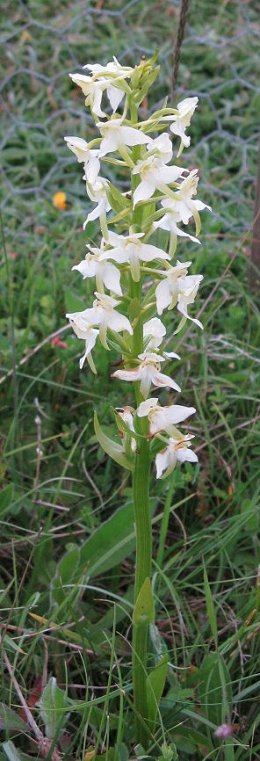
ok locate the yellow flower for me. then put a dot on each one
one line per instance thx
(89, 755)
(59, 200)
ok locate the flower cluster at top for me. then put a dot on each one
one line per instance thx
(135, 280)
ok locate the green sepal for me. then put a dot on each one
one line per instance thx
(117, 200)
(155, 684)
(144, 606)
(111, 447)
(124, 215)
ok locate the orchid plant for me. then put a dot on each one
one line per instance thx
(135, 281)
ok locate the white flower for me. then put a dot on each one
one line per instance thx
(117, 135)
(92, 90)
(154, 176)
(178, 289)
(103, 315)
(126, 413)
(187, 290)
(130, 249)
(163, 418)
(112, 73)
(183, 204)
(169, 221)
(166, 291)
(87, 333)
(103, 78)
(85, 155)
(105, 272)
(161, 147)
(112, 67)
(153, 333)
(182, 120)
(98, 192)
(147, 372)
(177, 450)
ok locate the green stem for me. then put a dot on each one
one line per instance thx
(141, 479)
(141, 483)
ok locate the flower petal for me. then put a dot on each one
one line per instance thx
(186, 455)
(160, 380)
(163, 295)
(143, 192)
(164, 461)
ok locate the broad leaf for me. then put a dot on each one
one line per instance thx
(155, 684)
(111, 542)
(114, 450)
(53, 705)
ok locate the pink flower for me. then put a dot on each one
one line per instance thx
(223, 731)
(57, 342)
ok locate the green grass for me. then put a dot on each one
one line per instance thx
(53, 564)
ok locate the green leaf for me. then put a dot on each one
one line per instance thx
(53, 705)
(144, 606)
(112, 541)
(14, 755)
(6, 496)
(65, 574)
(10, 721)
(122, 751)
(10, 644)
(210, 608)
(195, 737)
(114, 450)
(155, 684)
